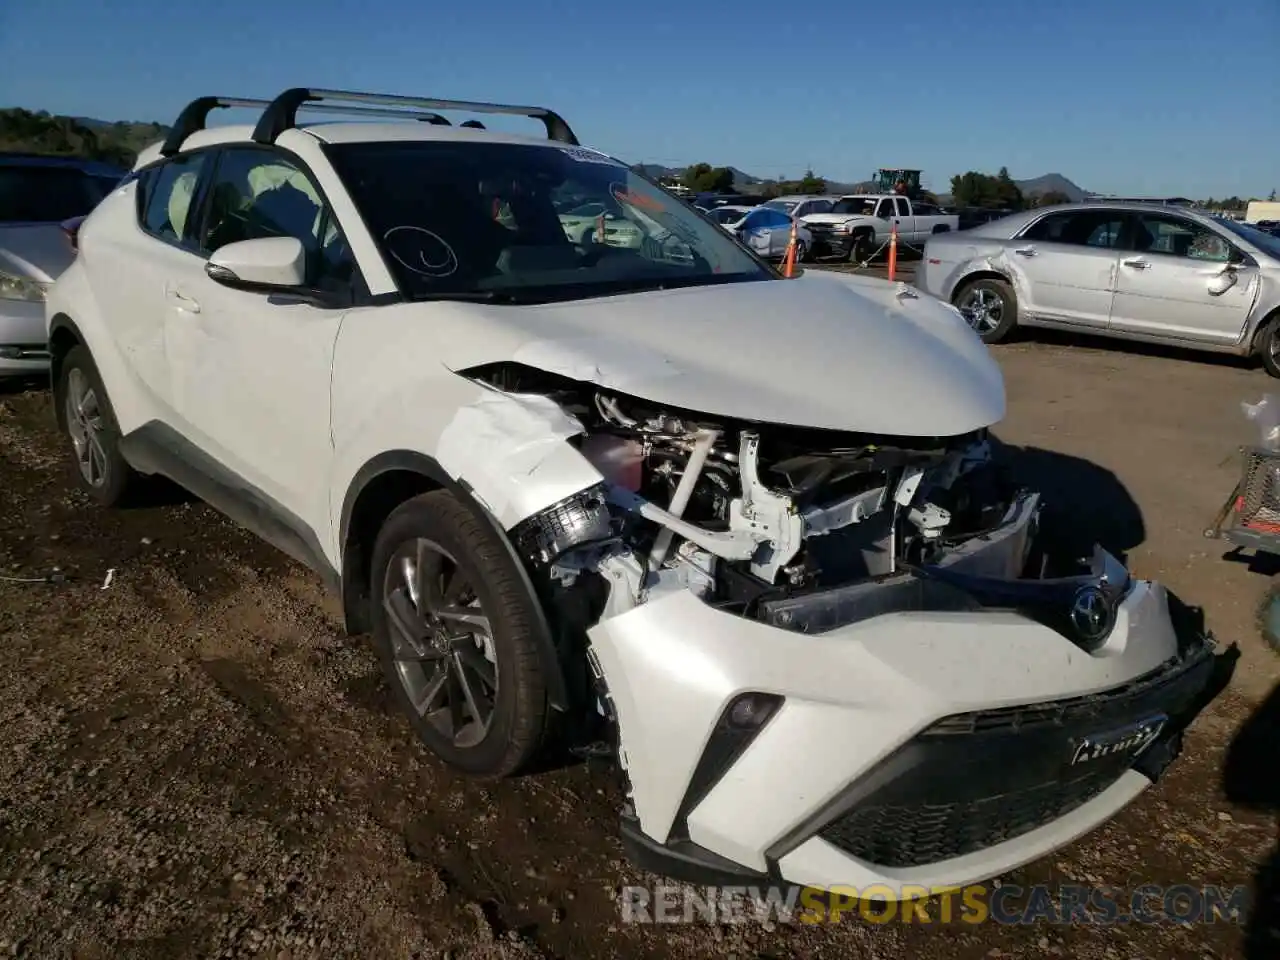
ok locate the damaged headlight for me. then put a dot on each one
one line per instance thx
(575, 521)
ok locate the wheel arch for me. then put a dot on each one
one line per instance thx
(381, 485)
(983, 274)
(64, 336)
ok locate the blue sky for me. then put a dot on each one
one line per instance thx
(1129, 96)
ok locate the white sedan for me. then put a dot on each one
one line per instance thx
(766, 231)
(582, 226)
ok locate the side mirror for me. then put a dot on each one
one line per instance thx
(264, 265)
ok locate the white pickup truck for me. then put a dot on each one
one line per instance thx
(859, 224)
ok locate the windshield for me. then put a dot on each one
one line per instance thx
(786, 206)
(524, 223)
(48, 194)
(858, 206)
(1263, 241)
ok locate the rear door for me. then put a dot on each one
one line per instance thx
(1067, 262)
(1170, 281)
(132, 269)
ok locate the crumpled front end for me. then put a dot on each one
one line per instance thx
(835, 658)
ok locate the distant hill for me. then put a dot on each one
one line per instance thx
(109, 142)
(1051, 182)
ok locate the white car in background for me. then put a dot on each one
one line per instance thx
(42, 200)
(744, 534)
(765, 230)
(583, 224)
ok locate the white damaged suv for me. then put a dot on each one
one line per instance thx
(742, 532)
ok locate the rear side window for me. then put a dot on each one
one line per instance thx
(169, 198)
(47, 194)
(1081, 228)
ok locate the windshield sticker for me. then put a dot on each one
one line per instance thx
(587, 155)
(633, 199)
(421, 251)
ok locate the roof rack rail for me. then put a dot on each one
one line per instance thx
(281, 114)
(195, 115)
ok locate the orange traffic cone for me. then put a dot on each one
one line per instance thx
(789, 269)
(600, 229)
(893, 251)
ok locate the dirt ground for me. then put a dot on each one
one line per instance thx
(194, 762)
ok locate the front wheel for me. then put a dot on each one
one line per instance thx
(454, 630)
(990, 307)
(1269, 346)
(862, 248)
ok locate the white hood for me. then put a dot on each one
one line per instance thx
(835, 217)
(823, 350)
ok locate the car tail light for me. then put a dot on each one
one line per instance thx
(71, 230)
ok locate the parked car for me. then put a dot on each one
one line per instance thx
(859, 225)
(970, 217)
(582, 225)
(660, 502)
(1134, 271)
(765, 230)
(37, 195)
(709, 201)
(801, 206)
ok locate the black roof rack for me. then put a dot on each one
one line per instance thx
(281, 114)
(195, 115)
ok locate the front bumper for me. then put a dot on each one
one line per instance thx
(828, 243)
(924, 747)
(24, 341)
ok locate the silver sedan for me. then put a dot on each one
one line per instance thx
(1136, 271)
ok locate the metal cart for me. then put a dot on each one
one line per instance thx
(1250, 519)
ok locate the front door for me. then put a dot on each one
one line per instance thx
(1067, 263)
(1180, 279)
(253, 378)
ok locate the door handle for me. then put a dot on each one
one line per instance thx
(1136, 262)
(182, 301)
(1025, 251)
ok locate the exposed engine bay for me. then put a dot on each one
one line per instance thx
(774, 523)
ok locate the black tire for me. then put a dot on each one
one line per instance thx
(110, 481)
(802, 252)
(862, 247)
(994, 328)
(1268, 346)
(519, 721)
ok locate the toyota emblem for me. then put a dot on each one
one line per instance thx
(1091, 614)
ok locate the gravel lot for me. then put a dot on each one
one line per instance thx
(194, 762)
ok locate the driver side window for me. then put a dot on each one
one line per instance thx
(257, 193)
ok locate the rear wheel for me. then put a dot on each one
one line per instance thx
(990, 307)
(453, 627)
(90, 424)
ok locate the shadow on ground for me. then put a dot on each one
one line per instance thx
(1084, 503)
(1249, 779)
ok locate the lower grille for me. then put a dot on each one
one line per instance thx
(908, 836)
(969, 782)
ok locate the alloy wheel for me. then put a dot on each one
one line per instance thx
(441, 642)
(85, 424)
(982, 308)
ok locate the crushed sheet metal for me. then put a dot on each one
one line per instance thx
(599, 360)
(510, 448)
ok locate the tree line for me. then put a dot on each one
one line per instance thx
(40, 132)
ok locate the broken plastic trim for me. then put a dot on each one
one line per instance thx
(575, 521)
